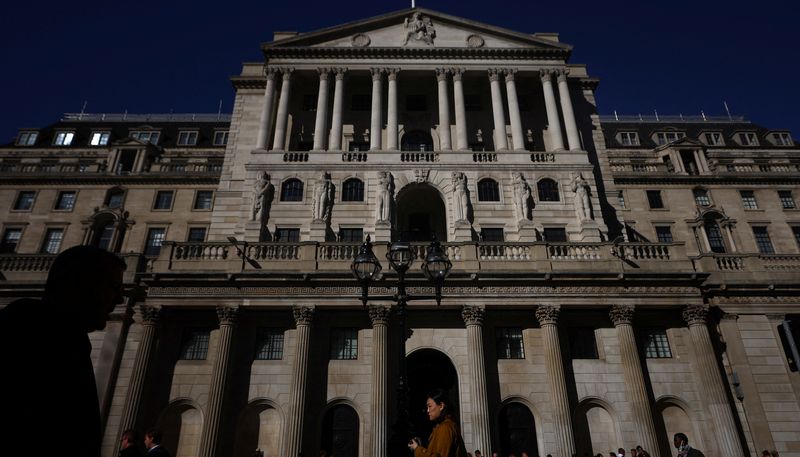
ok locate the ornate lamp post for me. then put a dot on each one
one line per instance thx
(366, 267)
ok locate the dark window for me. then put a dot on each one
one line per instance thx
(195, 344)
(621, 198)
(358, 146)
(488, 190)
(65, 200)
(52, 241)
(714, 235)
(344, 344)
(417, 140)
(664, 234)
(221, 138)
(269, 344)
(701, 197)
(104, 235)
(548, 190)
(554, 235)
(163, 199)
(477, 147)
(796, 232)
(353, 190)
(472, 102)
(509, 343)
(197, 234)
(654, 199)
(187, 138)
(748, 199)
(305, 145)
(287, 235)
(292, 190)
(582, 344)
(127, 158)
(27, 138)
(656, 343)
(763, 241)
(689, 164)
(204, 199)
(155, 238)
(492, 234)
(115, 198)
(10, 241)
(416, 102)
(351, 235)
(787, 200)
(25, 200)
(309, 102)
(524, 101)
(361, 102)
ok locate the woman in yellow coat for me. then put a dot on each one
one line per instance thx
(445, 440)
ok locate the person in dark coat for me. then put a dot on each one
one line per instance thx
(681, 442)
(152, 441)
(48, 379)
(129, 444)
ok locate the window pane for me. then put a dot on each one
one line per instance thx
(787, 200)
(488, 190)
(492, 234)
(195, 344)
(554, 235)
(656, 344)
(66, 200)
(621, 199)
(204, 199)
(163, 200)
(269, 344)
(351, 235)
(353, 191)
(220, 138)
(197, 234)
(155, 238)
(115, 199)
(714, 236)
(796, 232)
(763, 242)
(654, 199)
(292, 191)
(25, 200)
(664, 234)
(344, 344)
(509, 343)
(548, 190)
(287, 235)
(52, 241)
(748, 199)
(701, 197)
(11, 238)
(104, 235)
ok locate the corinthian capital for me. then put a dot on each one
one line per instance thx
(545, 74)
(458, 73)
(227, 315)
(340, 73)
(150, 314)
(494, 74)
(323, 73)
(379, 315)
(303, 315)
(392, 73)
(287, 73)
(562, 74)
(695, 314)
(547, 315)
(621, 314)
(441, 74)
(510, 72)
(473, 315)
(377, 73)
(270, 73)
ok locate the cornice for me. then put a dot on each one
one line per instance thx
(416, 53)
(589, 83)
(249, 82)
(669, 178)
(183, 178)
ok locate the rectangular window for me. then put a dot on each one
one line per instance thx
(783, 139)
(796, 233)
(554, 235)
(351, 235)
(763, 242)
(701, 197)
(361, 102)
(126, 161)
(509, 343)
(472, 102)
(416, 102)
(344, 344)
(787, 200)
(63, 138)
(65, 200)
(147, 136)
(99, 138)
(714, 139)
(748, 199)
(163, 199)
(621, 199)
(582, 344)
(492, 234)
(221, 138)
(52, 241)
(309, 102)
(187, 138)
(195, 344)
(664, 234)
(269, 344)
(629, 138)
(155, 238)
(668, 137)
(10, 241)
(287, 235)
(748, 139)
(197, 234)
(25, 200)
(656, 343)
(27, 138)
(204, 199)
(654, 199)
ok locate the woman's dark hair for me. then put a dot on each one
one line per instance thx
(439, 396)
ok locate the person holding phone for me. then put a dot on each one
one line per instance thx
(445, 440)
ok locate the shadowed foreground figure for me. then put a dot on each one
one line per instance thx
(47, 383)
(445, 440)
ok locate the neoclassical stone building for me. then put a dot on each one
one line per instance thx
(614, 280)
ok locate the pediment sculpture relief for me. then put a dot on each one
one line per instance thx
(419, 28)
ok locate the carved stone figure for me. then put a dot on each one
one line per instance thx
(419, 28)
(522, 197)
(384, 199)
(263, 190)
(583, 207)
(460, 198)
(323, 197)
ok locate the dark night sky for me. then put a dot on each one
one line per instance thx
(677, 57)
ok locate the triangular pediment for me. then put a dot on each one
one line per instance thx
(417, 28)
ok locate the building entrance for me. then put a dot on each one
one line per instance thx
(420, 214)
(429, 369)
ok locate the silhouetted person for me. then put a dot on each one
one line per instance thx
(45, 354)
(152, 441)
(129, 444)
(681, 443)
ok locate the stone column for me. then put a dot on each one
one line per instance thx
(500, 137)
(335, 143)
(149, 320)
(391, 116)
(461, 112)
(573, 138)
(303, 316)
(556, 381)
(321, 122)
(711, 383)
(622, 317)
(283, 110)
(473, 318)
(375, 119)
(513, 112)
(209, 441)
(553, 124)
(445, 143)
(379, 315)
(265, 126)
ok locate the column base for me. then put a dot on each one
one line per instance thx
(317, 230)
(463, 231)
(590, 232)
(383, 231)
(527, 231)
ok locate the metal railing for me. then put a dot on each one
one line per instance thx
(147, 117)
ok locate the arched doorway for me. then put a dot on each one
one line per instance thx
(259, 428)
(429, 369)
(182, 424)
(420, 214)
(416, 140)
(340, 431)
(517, 430)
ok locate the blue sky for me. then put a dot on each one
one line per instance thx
(146, 56)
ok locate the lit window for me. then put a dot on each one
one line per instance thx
(748, 199)
(99, 138)
(714, 139)
(269, 344)
(509, 343)
(629, 138)
(353, 190)
(656, 344)
(488, 190)
(787, 200)
(52, 241)
(668, 137)
(221, 138)
(351, 235)
(63, 138)
(748, 139)
(548, 190)
(155, 238)
(783, 139)
(664, 234)
(25, 200)
(654, 199)
(344, 344)
(197, 234)
(763, 242)
(27, 138)
(147, 136)
(65, 200)
(582, 344)
(10, 241)
(204, 199)
(701, 197)
(195, 344)
(187, 138)
(287, 235)
(491, 234)
(292, 191)
(163, 199)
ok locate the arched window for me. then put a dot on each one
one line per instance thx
(714, 235)
(548, 190)
(115, 198)
(340, 431)
(518, 430)
(701, 197)
(104, 233)
(488, 190)
(353, 190)
(292, 190)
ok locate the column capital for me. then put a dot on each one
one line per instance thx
(379, 315)
(473, 315)
(303, 315)
(287, 72)
(150, 314)
(270, 72)
(545, 74)
(547, 314)
(510, 72)
(562, 74)
(458, 73)
(392, 73)
(340, 72)
(324, 72)
(695, 314)
(441, 74)
(494, 74)
(621, 314)
(227, 315)
(377, 73)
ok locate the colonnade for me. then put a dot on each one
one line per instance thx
(329, 136)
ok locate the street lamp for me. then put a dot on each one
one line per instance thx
(435, 266)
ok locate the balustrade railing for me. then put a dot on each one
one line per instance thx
(273, 251)
(26, 262)
(780, 262)
(643, 251)
(337, 251)
(574, 251)
(504, 252)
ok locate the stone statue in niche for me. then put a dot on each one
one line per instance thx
(323, 198)
(384, 198)
(419, 28)
(583, 206)
(460, 198)
(522, 198)
(263, 191)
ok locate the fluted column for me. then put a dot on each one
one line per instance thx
(303, 316)
(461, 112)
(150, 316)
(500, 137)
(379, 315)
(228, 315)
(481, 423)
(321, 122)
(556, 381)
(265, 126)
(711, 383)
(573, 138)
(553, 124)
(445, 143)
(282, 117)
(513, 112)
(375, 119)
(335, 142)
(622, 317)
(391, 115)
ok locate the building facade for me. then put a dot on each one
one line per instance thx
(615, 280)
